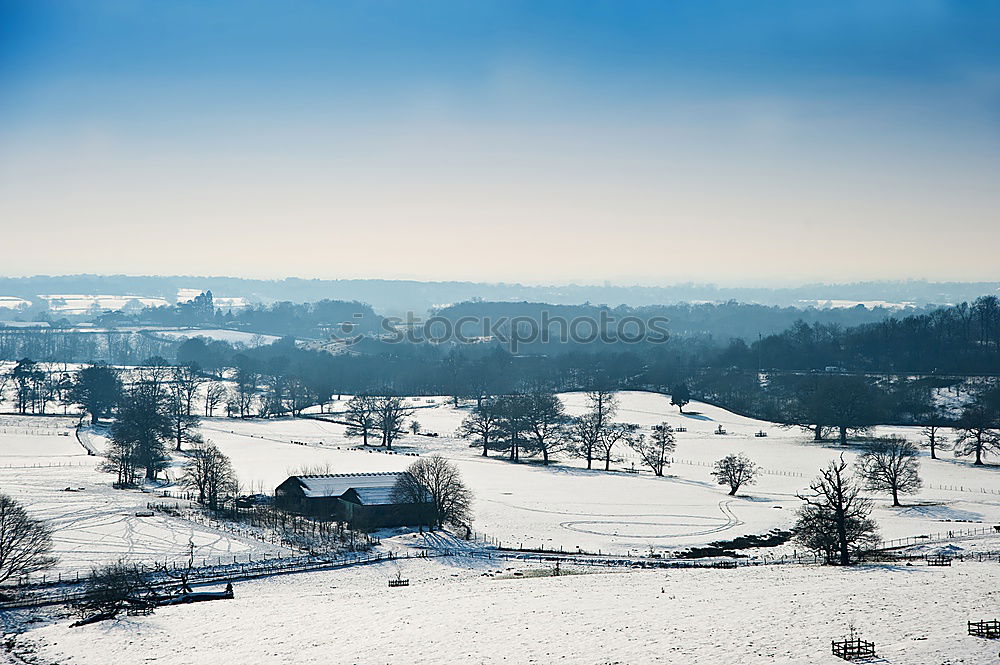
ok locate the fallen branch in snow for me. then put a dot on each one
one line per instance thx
(94, 618)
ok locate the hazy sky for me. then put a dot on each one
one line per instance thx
(734, 142)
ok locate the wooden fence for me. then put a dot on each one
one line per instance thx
(987, 629)
(70, 590)
(939, 537)
(853, 649)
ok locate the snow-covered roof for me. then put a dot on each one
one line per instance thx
(374, 496)
(335, 484)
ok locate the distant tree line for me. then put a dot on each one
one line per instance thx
(963, 339)
(714, 323)
(313, 320)
(285, 377)
(64, 344)
(843, 407)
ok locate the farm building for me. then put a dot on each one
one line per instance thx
(362, 500)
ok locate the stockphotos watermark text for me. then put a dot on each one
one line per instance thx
(515, 332)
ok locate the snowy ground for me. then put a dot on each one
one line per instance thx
(567, 505)
(454, 613)
(231, 336)
(914, 614)
(564, 505)
(58, 481)
(13, 302)
(81, 304)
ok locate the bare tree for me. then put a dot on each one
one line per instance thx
(121, 458)
(603, 404)
(64, 388)
(935, 439)
(585, 433)
(361, 417)
(109, 588)
(545, 421)
(187, 381)
(655, 451)
(5, 379)
(215, 395)
(852, 403)
(735, 471)
(977, 431)
(27, 378)
(436, 479)
(890, 464)
(247, 388)
(209, 472)
(390, 417)
(25, 543)
(807, 410)
(48, 387)
(513, 419)
(297, 396)
(183, 423)
(610, 437)
(835, 519)
(603, 407)
(154, 372)
(271, 402)
(483, 422)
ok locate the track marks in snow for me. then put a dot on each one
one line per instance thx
(674, 529)
(641, 525)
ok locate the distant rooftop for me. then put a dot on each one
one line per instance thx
(335, 484)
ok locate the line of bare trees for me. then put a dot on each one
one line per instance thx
(535, 424)
(381, 417)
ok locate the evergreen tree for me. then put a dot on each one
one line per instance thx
(98, 389)
(140, 429)
(680, 396)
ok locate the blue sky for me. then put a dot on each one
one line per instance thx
(574, 140)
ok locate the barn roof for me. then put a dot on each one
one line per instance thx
(374, 496)
(335, 484)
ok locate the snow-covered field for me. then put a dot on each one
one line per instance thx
(456, 613)
(846, 304)
(94, 524)
(13, 302)
(784, 614)
(64, 303)
(231, 336)
(567, 505)
(563, 505)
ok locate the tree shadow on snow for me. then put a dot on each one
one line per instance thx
(965, 462)
(576, 471)
(757, 498)
(874, 565)
(940, 512)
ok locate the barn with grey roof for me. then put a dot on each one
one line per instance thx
(362, 500)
